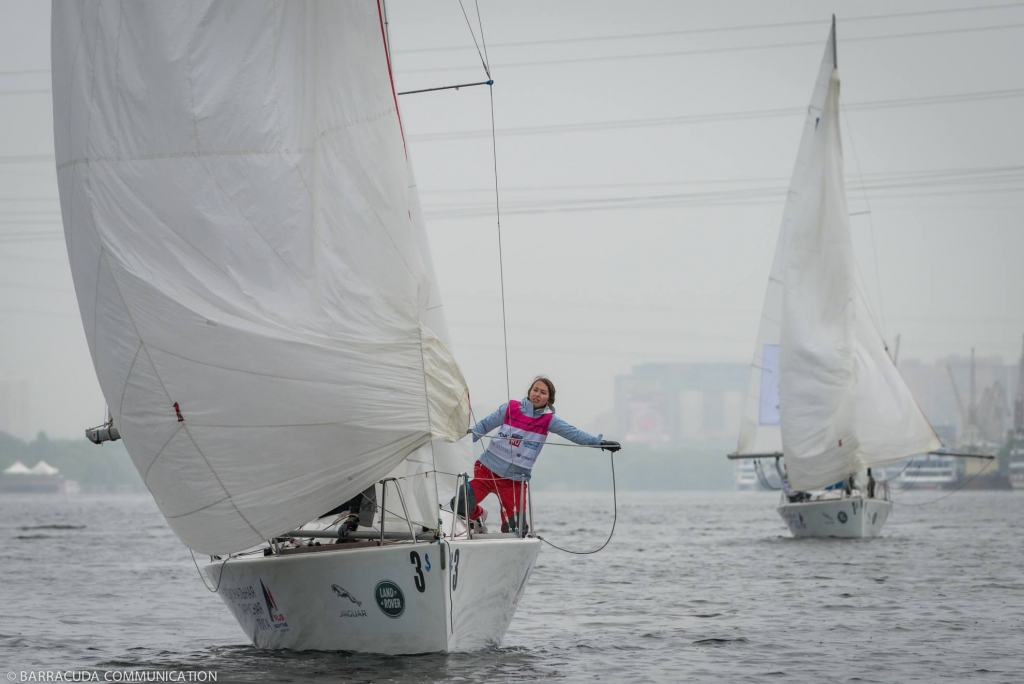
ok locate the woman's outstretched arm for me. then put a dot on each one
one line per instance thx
(571, 433)
(489, 423)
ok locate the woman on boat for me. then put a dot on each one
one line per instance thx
(505, 466)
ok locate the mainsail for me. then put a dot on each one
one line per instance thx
(759, 427)
(823, 390)
(844, 406)
(254, 289)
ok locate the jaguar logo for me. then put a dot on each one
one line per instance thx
(341, 593)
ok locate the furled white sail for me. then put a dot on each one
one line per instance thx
(429, 472)
(759, 427)
(843, 406)
(254, 290)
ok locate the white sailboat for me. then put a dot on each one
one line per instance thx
(256, 287)
(824, 395)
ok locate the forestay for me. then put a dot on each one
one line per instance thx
(254, 290)
(844, 405)
(759, 427)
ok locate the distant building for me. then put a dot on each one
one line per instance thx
(42, 478)
(699, 405)
(15, 407)
(664, 405)
(995, 384)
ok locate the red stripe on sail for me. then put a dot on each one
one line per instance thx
(391, 76)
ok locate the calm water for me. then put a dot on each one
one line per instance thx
(695, 587)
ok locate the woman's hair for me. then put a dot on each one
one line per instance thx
(551, 388)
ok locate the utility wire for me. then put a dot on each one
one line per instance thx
(978, 96)
(720, 50)
(720, 29)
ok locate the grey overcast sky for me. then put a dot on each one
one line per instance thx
(643, 152)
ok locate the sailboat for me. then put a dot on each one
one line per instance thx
(256, 287)
(824, 396)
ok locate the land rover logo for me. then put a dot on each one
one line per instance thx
(842, 516)
(389, 598)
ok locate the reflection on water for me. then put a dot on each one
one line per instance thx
(701, 587)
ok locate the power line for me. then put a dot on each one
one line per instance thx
(894, 187)
(951, 98)
(34, 91)
(34, 312)
(720, 29)
(26, 158)
(40, 288)
(967, 172)
(707, 51)
(718, 117)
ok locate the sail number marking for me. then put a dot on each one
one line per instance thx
(455, 570)
(418, 579)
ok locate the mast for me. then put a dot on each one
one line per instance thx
(1018, 402)
(972, 406)
(835, 50)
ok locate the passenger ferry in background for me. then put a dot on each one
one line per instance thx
(746, 479)
(928, 471)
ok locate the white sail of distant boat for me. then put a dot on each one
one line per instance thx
(257, 292)
(823, 391)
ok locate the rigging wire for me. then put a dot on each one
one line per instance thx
(871, 223)
(469, 24)
(497, 197)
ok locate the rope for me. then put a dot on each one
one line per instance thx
(962, 485)
(559, 444)
(762, 478)
(219, 578)
(615, 504)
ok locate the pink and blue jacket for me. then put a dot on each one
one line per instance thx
(513, 451)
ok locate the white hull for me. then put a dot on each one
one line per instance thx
(849, 517)
(395, 599)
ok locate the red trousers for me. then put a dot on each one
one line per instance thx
(509, 492)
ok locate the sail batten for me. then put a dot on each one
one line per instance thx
(254, 290)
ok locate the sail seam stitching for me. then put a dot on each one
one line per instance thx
(278, 483)
(241, 370)
(191, 83)
(127, 379)
(167, 394)
(145, 478)
(298, 277)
